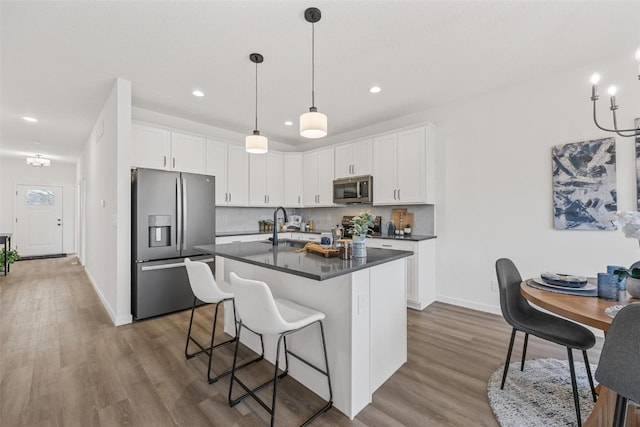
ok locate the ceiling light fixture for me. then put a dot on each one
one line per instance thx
(30, 119)
(313, 124)
(38, 161)
(288, 123)
(595, 78)
(256, 143)
(198, 93)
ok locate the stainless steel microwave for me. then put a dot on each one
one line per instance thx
(357, 189)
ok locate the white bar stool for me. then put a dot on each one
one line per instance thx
(261, 313)
(205, 288)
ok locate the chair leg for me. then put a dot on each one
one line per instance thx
(574, 386)
(276, 377)
(506, 363)
(186, 347)
(524, 350)
(588, 367)
(620, 414)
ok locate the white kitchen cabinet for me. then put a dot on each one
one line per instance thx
(230, 165)
(242, 238)
(353, 159)
(293, 177)
(150, 147)
(188, 153)
(404, 167)
(318, 178)
(266, 179)
(421, 268)
(157, 148)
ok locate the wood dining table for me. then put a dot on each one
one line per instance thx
(590, 311)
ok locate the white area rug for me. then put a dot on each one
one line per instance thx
(541, 394)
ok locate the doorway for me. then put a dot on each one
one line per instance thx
(38, 220)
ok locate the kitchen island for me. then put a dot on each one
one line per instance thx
(364, 301)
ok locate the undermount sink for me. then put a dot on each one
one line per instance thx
(287, 243)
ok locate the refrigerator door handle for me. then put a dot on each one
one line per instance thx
(185, 222)
(172, 265)
(178, 215)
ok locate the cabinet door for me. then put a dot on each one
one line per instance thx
(343, 161)
(257, 182)
(150, 147)
(412, 178)
(310, 179)
(325, 177)
(237, 176)
(217, 166)
(275, 179)
(385, 188)
(362, 158)
(188, 153)
(293, 180)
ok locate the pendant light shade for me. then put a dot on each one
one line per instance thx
(313, 124)
(256, 143)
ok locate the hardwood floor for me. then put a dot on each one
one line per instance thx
(63, 364)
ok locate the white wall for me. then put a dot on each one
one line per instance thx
(15, 171)
(105, 170)
(494, 182)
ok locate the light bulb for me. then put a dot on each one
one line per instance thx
(595, 78)
(612, 90)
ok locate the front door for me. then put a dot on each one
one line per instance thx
(38, 220)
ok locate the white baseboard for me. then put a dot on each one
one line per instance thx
(470, 304)
(116, 320)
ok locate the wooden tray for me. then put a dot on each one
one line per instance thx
(319, 249)
(407, 217)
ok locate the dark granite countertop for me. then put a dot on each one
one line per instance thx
(305, 264)
(410, 237)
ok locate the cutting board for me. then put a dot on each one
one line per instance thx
(407, 217)
(319, 249)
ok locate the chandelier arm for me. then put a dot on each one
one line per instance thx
(635, 132)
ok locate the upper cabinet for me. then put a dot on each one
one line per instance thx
(318, 177)
(404, 167)
(157, 148)
(230, 165)
(150, 147)
(353, 159)
(266, 179)
(293, 179)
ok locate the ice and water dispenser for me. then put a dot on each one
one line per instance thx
(159, 230)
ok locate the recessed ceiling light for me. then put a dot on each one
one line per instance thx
(30, 119)
(375, 89)
(288, 123)
(198, 93)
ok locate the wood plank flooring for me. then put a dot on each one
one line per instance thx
(63, 363)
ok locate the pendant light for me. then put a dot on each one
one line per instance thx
(313, 124)
(256, 143)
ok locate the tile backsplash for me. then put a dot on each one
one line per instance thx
(233, 219)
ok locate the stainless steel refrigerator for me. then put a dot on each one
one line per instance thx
(171, 213)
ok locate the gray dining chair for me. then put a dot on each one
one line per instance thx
(619, 365)
(523, 317)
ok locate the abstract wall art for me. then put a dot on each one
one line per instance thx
(584, 185)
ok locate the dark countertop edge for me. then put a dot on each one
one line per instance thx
(319, 277)
(410, 238)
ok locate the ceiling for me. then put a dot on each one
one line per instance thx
(60, 60)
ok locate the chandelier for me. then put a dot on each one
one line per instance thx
(38, 161)
(595, 78)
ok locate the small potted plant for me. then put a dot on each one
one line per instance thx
(8, 257)
(361, 226)
(407, 229)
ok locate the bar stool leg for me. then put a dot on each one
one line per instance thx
(186, 347)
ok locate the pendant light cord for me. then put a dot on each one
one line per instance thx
(256, 128)
(313, 65)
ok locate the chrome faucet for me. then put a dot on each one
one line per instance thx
(275, 224)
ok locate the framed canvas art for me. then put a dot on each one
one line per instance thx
(584, 185)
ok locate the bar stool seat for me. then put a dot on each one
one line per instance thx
(261, 313)
(205, 289)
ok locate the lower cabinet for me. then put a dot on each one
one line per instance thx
(421, 274)
(242, 238)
